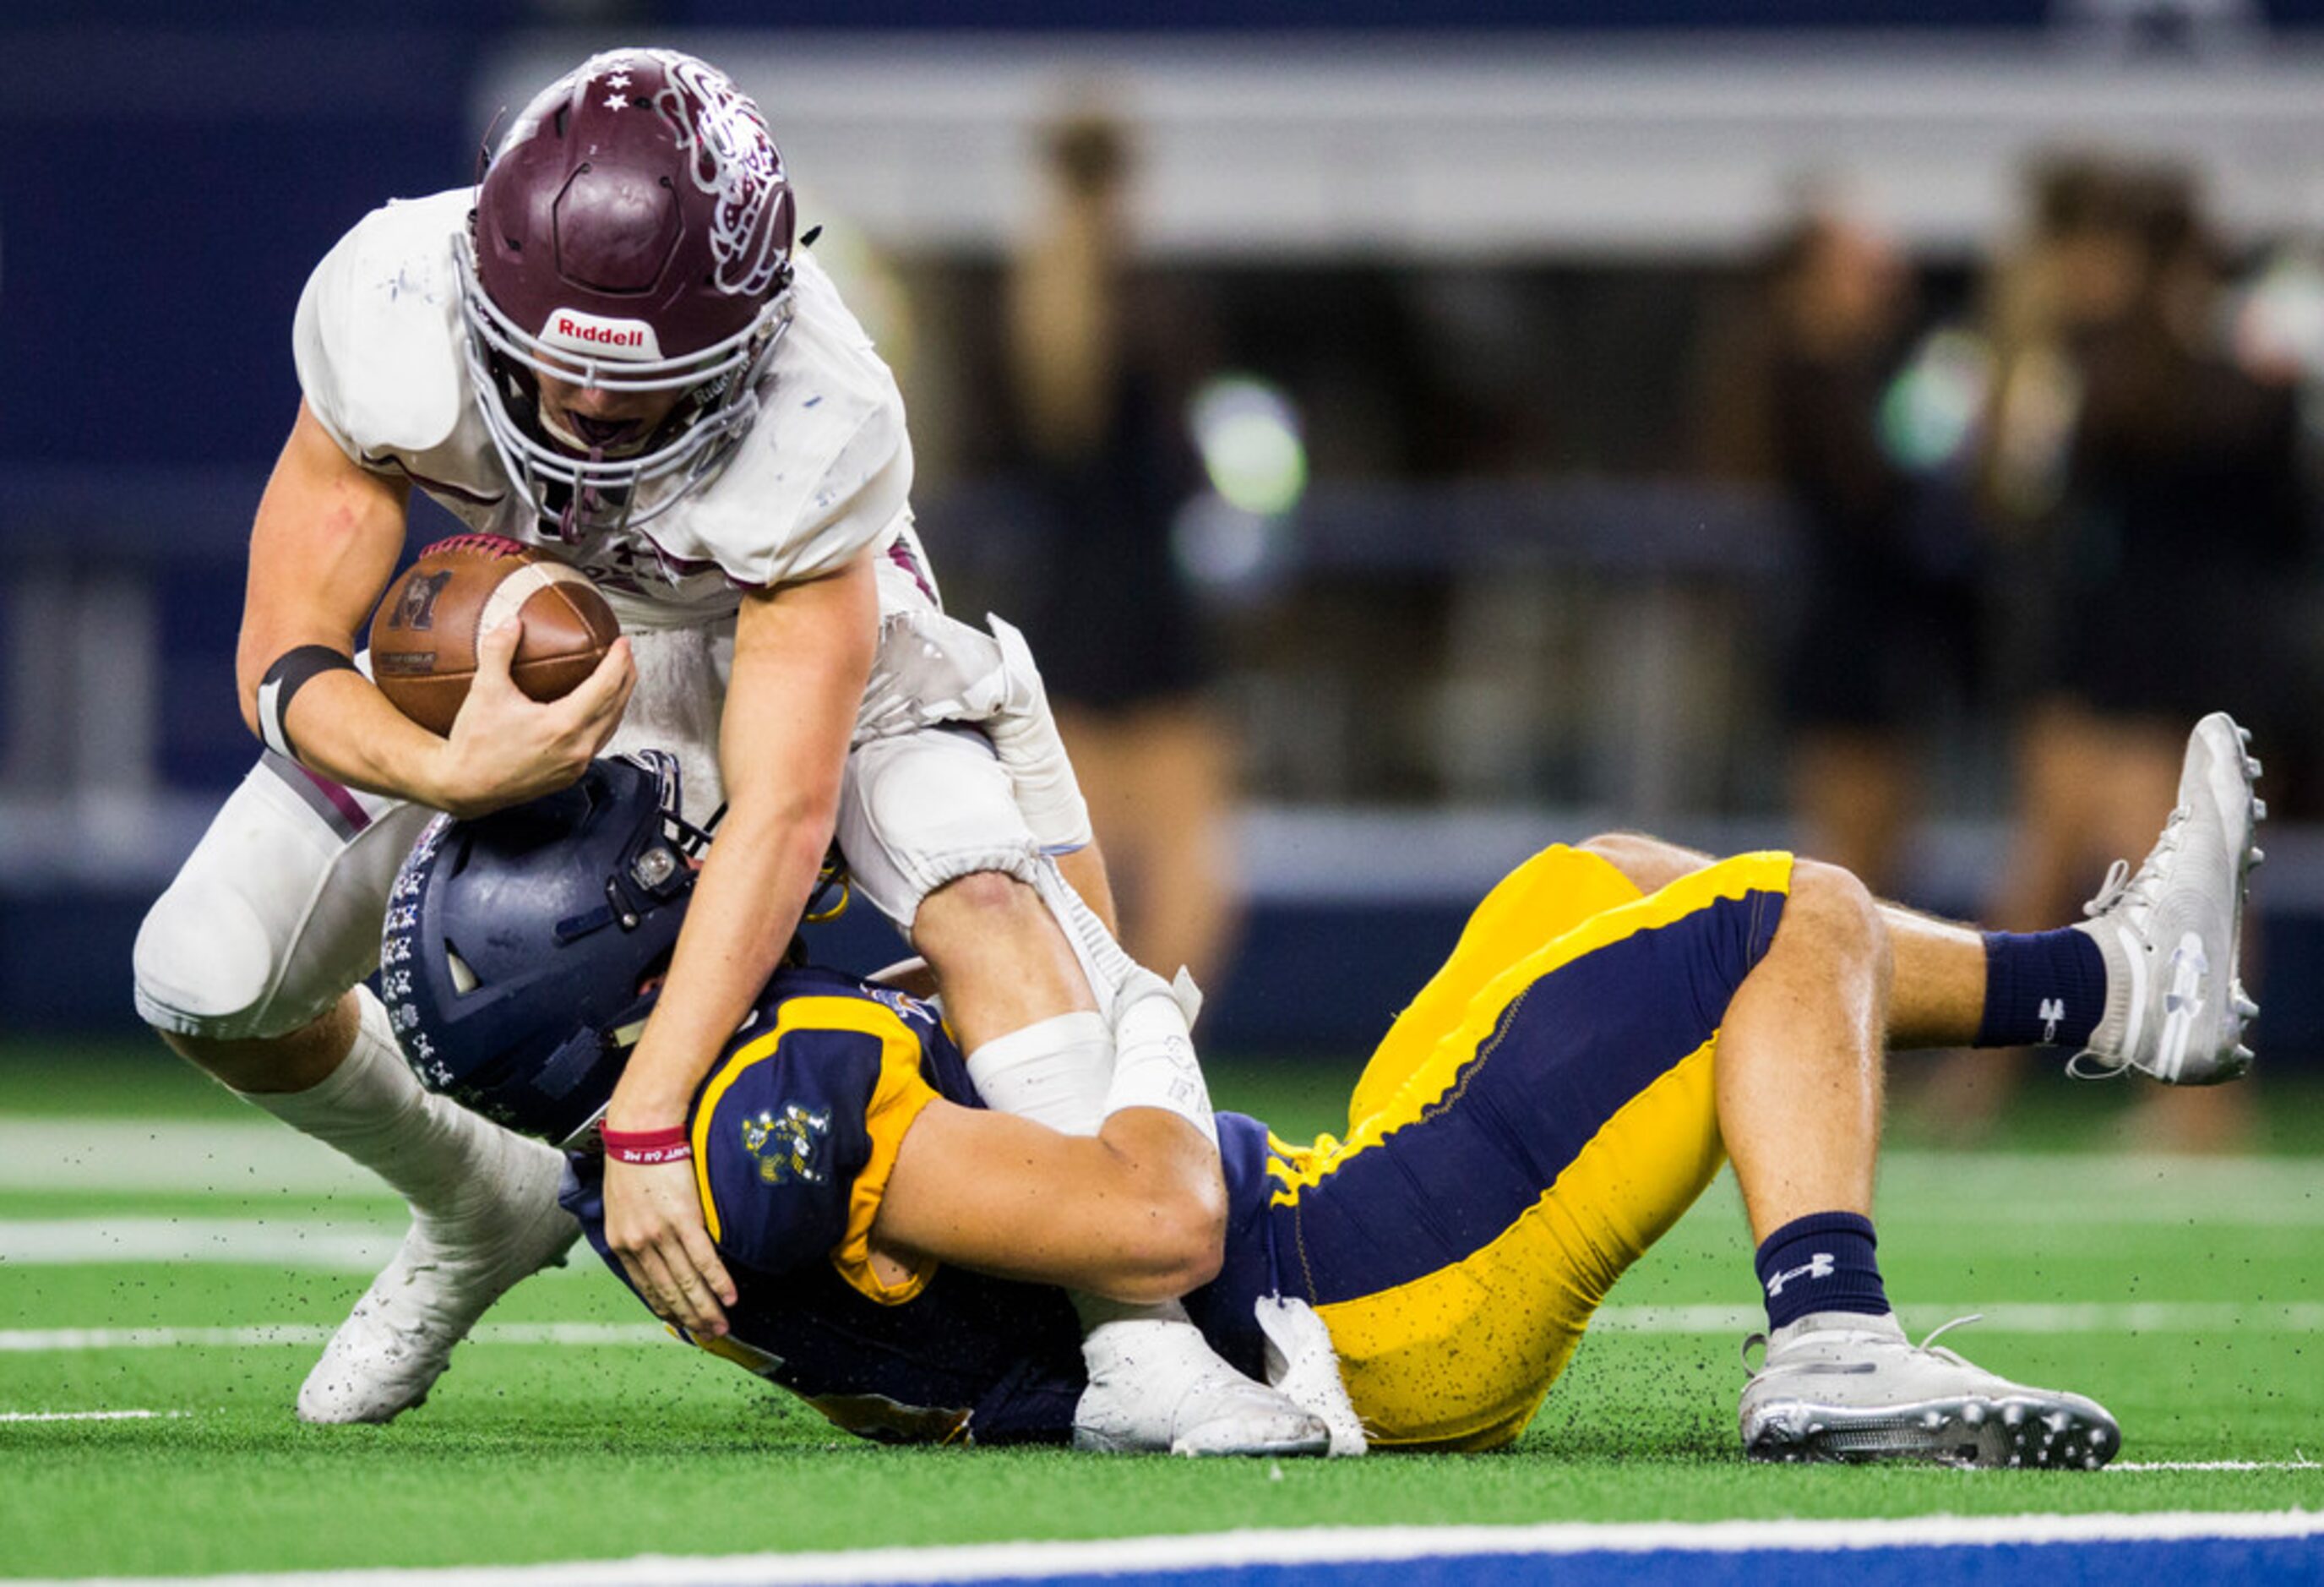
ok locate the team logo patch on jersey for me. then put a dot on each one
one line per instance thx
(904, 1005)
(786, 1146)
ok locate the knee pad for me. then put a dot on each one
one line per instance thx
(275, 913)
(205, 965)
(924, 808)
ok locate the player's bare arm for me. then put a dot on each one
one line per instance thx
(326, 537)
(1136, 1213)
(801, 655)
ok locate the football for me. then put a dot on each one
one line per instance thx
(424, 636)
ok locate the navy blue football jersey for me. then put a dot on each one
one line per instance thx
(795, 1132)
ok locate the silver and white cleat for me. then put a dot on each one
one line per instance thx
(1837, 1387)
(1158, 1386)
(2171, 932)
(399, 1338)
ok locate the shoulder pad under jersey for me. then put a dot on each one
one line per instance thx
(377, 338)
(827, 470)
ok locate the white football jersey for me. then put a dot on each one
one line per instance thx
(824, 473)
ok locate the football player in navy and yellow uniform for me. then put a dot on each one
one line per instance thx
(1538, 1118)
(1618, 1020)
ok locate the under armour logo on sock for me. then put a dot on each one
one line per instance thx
(2052, 1011)
(1818, 1266)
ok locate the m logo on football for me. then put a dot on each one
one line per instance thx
(417, 607)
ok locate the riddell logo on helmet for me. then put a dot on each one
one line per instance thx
(590, 333)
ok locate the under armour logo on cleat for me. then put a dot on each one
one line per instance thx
(2188, 965)
(2053, 1013)
(1819, 1266)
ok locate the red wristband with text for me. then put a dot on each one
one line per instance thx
(648, 1146)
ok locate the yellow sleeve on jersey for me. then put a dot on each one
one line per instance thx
(897, 1094)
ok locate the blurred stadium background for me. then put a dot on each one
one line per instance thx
(1457, 302)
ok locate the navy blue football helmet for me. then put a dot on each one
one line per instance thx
(516, 944)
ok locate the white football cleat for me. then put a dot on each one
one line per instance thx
(399, 1338)
(1839, 1387)
(1302, 1365)
(2170, 933)
(1158, 1386)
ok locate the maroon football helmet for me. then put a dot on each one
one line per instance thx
(632, 233)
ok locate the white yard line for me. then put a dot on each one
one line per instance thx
(90, 1416)
(338, 1246)
(226, 1156)
(2094, 1317)
(2300, 1465)
(34, 1341)
(2143, 1317)
(253, 1155)
(1322, 1545)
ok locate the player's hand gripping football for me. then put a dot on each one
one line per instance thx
(506, 748)
(654, 1224)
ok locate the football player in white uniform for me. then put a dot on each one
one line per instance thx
(610, 349)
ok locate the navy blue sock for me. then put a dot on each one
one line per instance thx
(2047, 988)
(1821, 1264)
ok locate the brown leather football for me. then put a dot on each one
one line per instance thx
(423, 637)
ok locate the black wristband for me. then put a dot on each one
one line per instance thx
(291, 673)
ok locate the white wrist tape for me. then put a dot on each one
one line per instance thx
(1155, 1066)
(1053, 1072)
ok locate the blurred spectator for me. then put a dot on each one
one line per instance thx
(1100, 410)
(1885, 634)
(2151, 491)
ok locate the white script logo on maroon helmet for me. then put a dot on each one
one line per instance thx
(593, 334)
(735, 161)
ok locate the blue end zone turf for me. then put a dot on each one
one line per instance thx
(2249, 1549)
(2248, 1562)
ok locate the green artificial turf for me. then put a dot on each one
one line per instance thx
(531, 1452)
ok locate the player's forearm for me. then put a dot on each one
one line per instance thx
(746, 905)
(321, 549)
(1136, 1214)
(342, 726)
(1175, 1239)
